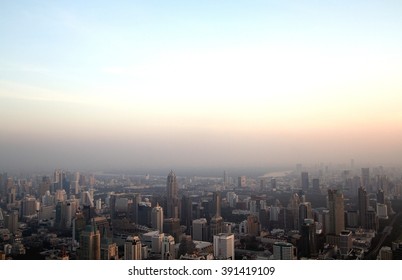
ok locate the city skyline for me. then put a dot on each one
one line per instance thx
(176, 85)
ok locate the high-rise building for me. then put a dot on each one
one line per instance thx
(284, 251)
(172, 226)
(11, 221)
(336, 212)
(28, 206)
(157, 218)
(216, 224)
(308, 242)
(168, 248)
(186, 213)
(345, 242)
(172, 196)
(304, 181)
(224, 246)
(109, 249)
(305, 212)
(253, 225)
(241, 181)
(89, 243)
(200, 229)
(132, 248)
(363, 203)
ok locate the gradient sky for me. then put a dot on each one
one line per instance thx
(174, 84)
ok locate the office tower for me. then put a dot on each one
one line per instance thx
(45, 185)
(11, 193)
(372, 220)
(382, 211)
(352, 219)
(133, 248)
(304, 181)
(253, 225)
(308, 243)
(156, 243)
(225, 179)
(363, 202)
(336, 212)
(380, 196)
(168, 248)
(232, 199)
(366, 178)
(89, 243)
(28, 206)
(216, 222)
(200, 229)
(145, 214)
(305, 212)
(109, 249)
(186, 212)
(11, 221)
(224, 246)
(345, 242)
(157, 218)
(172, 196)
(284, 251)
(293, 207)
(172, 226)
(241, 181)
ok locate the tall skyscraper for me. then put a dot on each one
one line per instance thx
(186, 212)
(200, 229)
(132, 248)
(216, 223)
(172, 196)
(345, 242)
(308, 244)
(304, 181)
(89, 243)
(168, 248)
(336, 212)
(157, 218)
(363, 202)
(224, 246)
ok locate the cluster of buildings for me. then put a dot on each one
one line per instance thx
(74, 216)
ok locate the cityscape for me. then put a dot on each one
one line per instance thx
(319, 213)
(201, 130)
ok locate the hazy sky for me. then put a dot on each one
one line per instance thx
(174, 84)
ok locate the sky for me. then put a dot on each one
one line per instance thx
(196, 84)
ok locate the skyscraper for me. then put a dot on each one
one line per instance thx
(363, 202)
(132, 248)
(172, 196)
(308, 244)
(168, 248)
(89, 243)
(336, 212)
(200, 229)
(216, 223)
(157, 218)
(304, 181)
